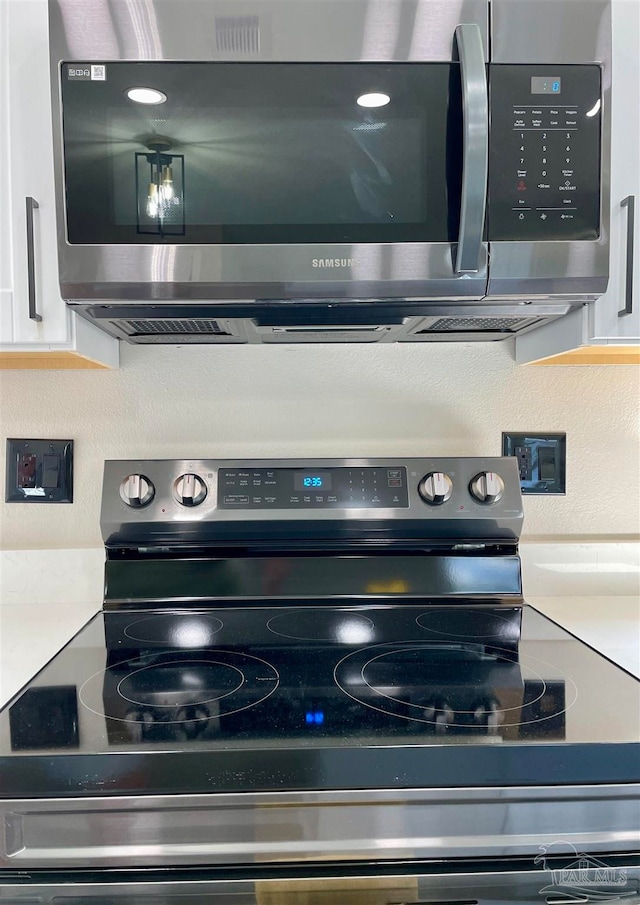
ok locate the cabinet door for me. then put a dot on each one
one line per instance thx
(625, 179)
(6, 269)
(30, 162)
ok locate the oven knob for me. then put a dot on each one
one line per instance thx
(439, 713)
(487, 713)
(137, 490)
(190, 490)
(487, 487)
(435, 488)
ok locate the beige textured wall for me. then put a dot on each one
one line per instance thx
(329, 401)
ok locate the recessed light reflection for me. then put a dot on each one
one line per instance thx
(595, 109)
(146, 95)
(373, 99)
(190, 679)
(352, 631)
(191, 633)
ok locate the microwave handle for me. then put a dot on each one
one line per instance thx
(475, 148)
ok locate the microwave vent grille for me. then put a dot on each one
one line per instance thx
(238, 35)
(175, 327)
(478, 324)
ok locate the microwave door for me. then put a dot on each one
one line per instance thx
(273, 180)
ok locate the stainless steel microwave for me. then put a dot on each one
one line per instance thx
(330, 170)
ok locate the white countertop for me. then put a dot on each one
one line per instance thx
(30, 634)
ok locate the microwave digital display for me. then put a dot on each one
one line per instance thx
(551, 84)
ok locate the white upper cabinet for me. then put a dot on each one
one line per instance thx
(34, 316)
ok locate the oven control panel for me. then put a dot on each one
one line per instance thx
(544, 162)
(351, 487)
(200, 500)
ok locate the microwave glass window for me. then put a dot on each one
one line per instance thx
(232, 153)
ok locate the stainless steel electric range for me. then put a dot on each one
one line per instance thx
(318, 682)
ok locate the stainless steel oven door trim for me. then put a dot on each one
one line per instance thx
(263, 828)
(508, 886)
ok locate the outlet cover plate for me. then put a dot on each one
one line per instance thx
(39, 471)
(542, 460)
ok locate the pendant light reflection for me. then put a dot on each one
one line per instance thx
(373, 99)
(160, 189)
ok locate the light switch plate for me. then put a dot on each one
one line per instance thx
(39, 471)
(542, 460)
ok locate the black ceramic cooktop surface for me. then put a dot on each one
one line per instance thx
(317, 697)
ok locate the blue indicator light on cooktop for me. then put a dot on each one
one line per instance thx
(314, 717)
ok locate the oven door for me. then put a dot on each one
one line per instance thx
(482, 884)
(310, 151)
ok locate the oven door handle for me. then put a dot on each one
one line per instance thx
(475, 147)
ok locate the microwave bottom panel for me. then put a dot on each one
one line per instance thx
(468, 323)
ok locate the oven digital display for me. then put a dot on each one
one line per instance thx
(316, 480)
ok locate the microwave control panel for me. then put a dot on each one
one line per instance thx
(544, 161)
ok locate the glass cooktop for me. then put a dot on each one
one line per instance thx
(317, 697)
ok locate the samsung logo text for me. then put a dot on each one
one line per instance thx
(332, 262)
